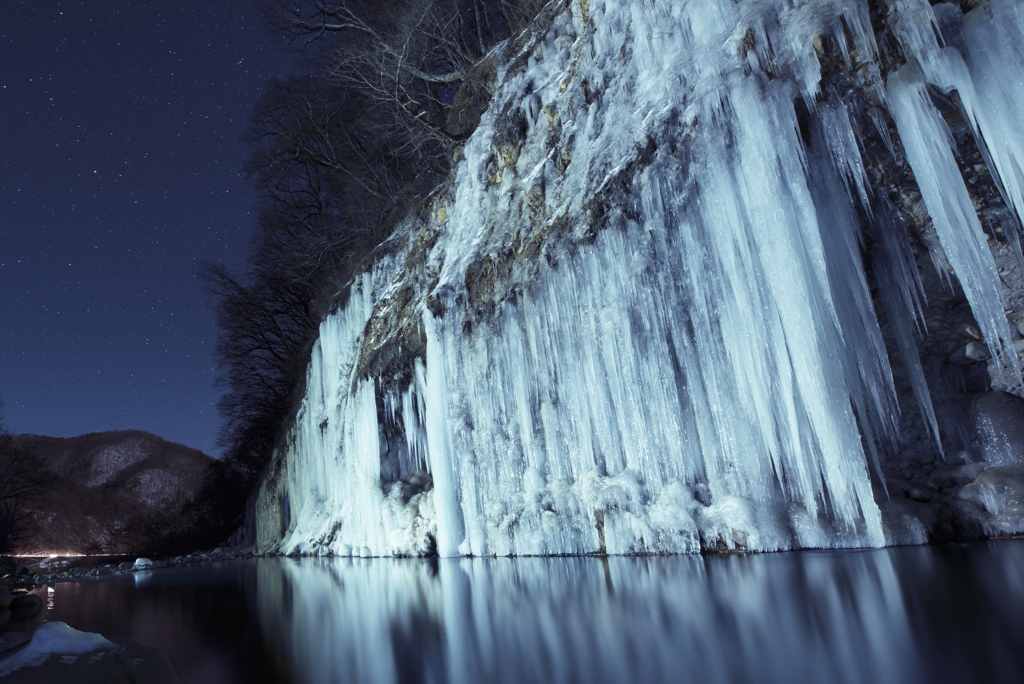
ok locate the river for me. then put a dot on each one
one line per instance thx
(913, 614)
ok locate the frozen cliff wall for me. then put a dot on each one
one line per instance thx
(638, 317)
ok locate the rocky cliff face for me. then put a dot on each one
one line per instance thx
(709, 275)
(110, 492)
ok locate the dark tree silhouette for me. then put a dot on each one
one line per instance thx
(22, 479)
(403, 64)
(266, 329)
(340, 155)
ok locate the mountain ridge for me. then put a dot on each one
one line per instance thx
(110, 492)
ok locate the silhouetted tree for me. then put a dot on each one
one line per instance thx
(266, 328)
(325, 182)
(402, 63)
(22, 479)
(338, 153)
(267, 323)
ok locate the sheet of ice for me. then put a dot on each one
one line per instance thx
(333, 501)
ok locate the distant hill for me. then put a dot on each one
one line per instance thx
(112, 493)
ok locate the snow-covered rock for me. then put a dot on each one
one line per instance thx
(58, 653)
(50, 639)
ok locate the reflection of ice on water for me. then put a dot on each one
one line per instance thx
(353, 620)
(777, 618)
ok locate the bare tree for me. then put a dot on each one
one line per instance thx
(409, 75)
(406, 63)
(22, 480)
(316, 159)
(265, 329)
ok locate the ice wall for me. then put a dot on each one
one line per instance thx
(647, 322)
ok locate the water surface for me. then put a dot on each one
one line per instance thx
(922, 614)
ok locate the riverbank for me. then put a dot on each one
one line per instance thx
(81, 568)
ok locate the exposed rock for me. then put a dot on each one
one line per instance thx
(472, 99)
(923, 494)
(976, 351)
(949, 476)
(999, 497)
(998, 419)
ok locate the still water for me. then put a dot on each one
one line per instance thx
(921, 614)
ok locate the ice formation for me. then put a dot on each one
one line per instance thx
(647, 322)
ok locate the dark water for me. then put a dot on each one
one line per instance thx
(926, 614)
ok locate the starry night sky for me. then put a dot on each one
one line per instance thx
(120, 173)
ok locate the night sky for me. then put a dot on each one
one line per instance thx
(120, 173)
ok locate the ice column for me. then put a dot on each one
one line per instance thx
(928, 144)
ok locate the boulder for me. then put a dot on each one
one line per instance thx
(998, 420)
(26, 605)
(1000, 492)
(976, 351)
(948, 476)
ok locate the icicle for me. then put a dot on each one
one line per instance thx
(432, 384)
(994, 39)
(883, 130)
(928, 143)
(859, 346)
(841, 141)
(900, 286)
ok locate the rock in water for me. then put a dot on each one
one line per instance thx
(26, 605)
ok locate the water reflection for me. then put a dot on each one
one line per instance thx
(894, 615)
(199, 616)
(900, 615)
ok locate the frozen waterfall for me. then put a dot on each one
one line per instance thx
(647, 322)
